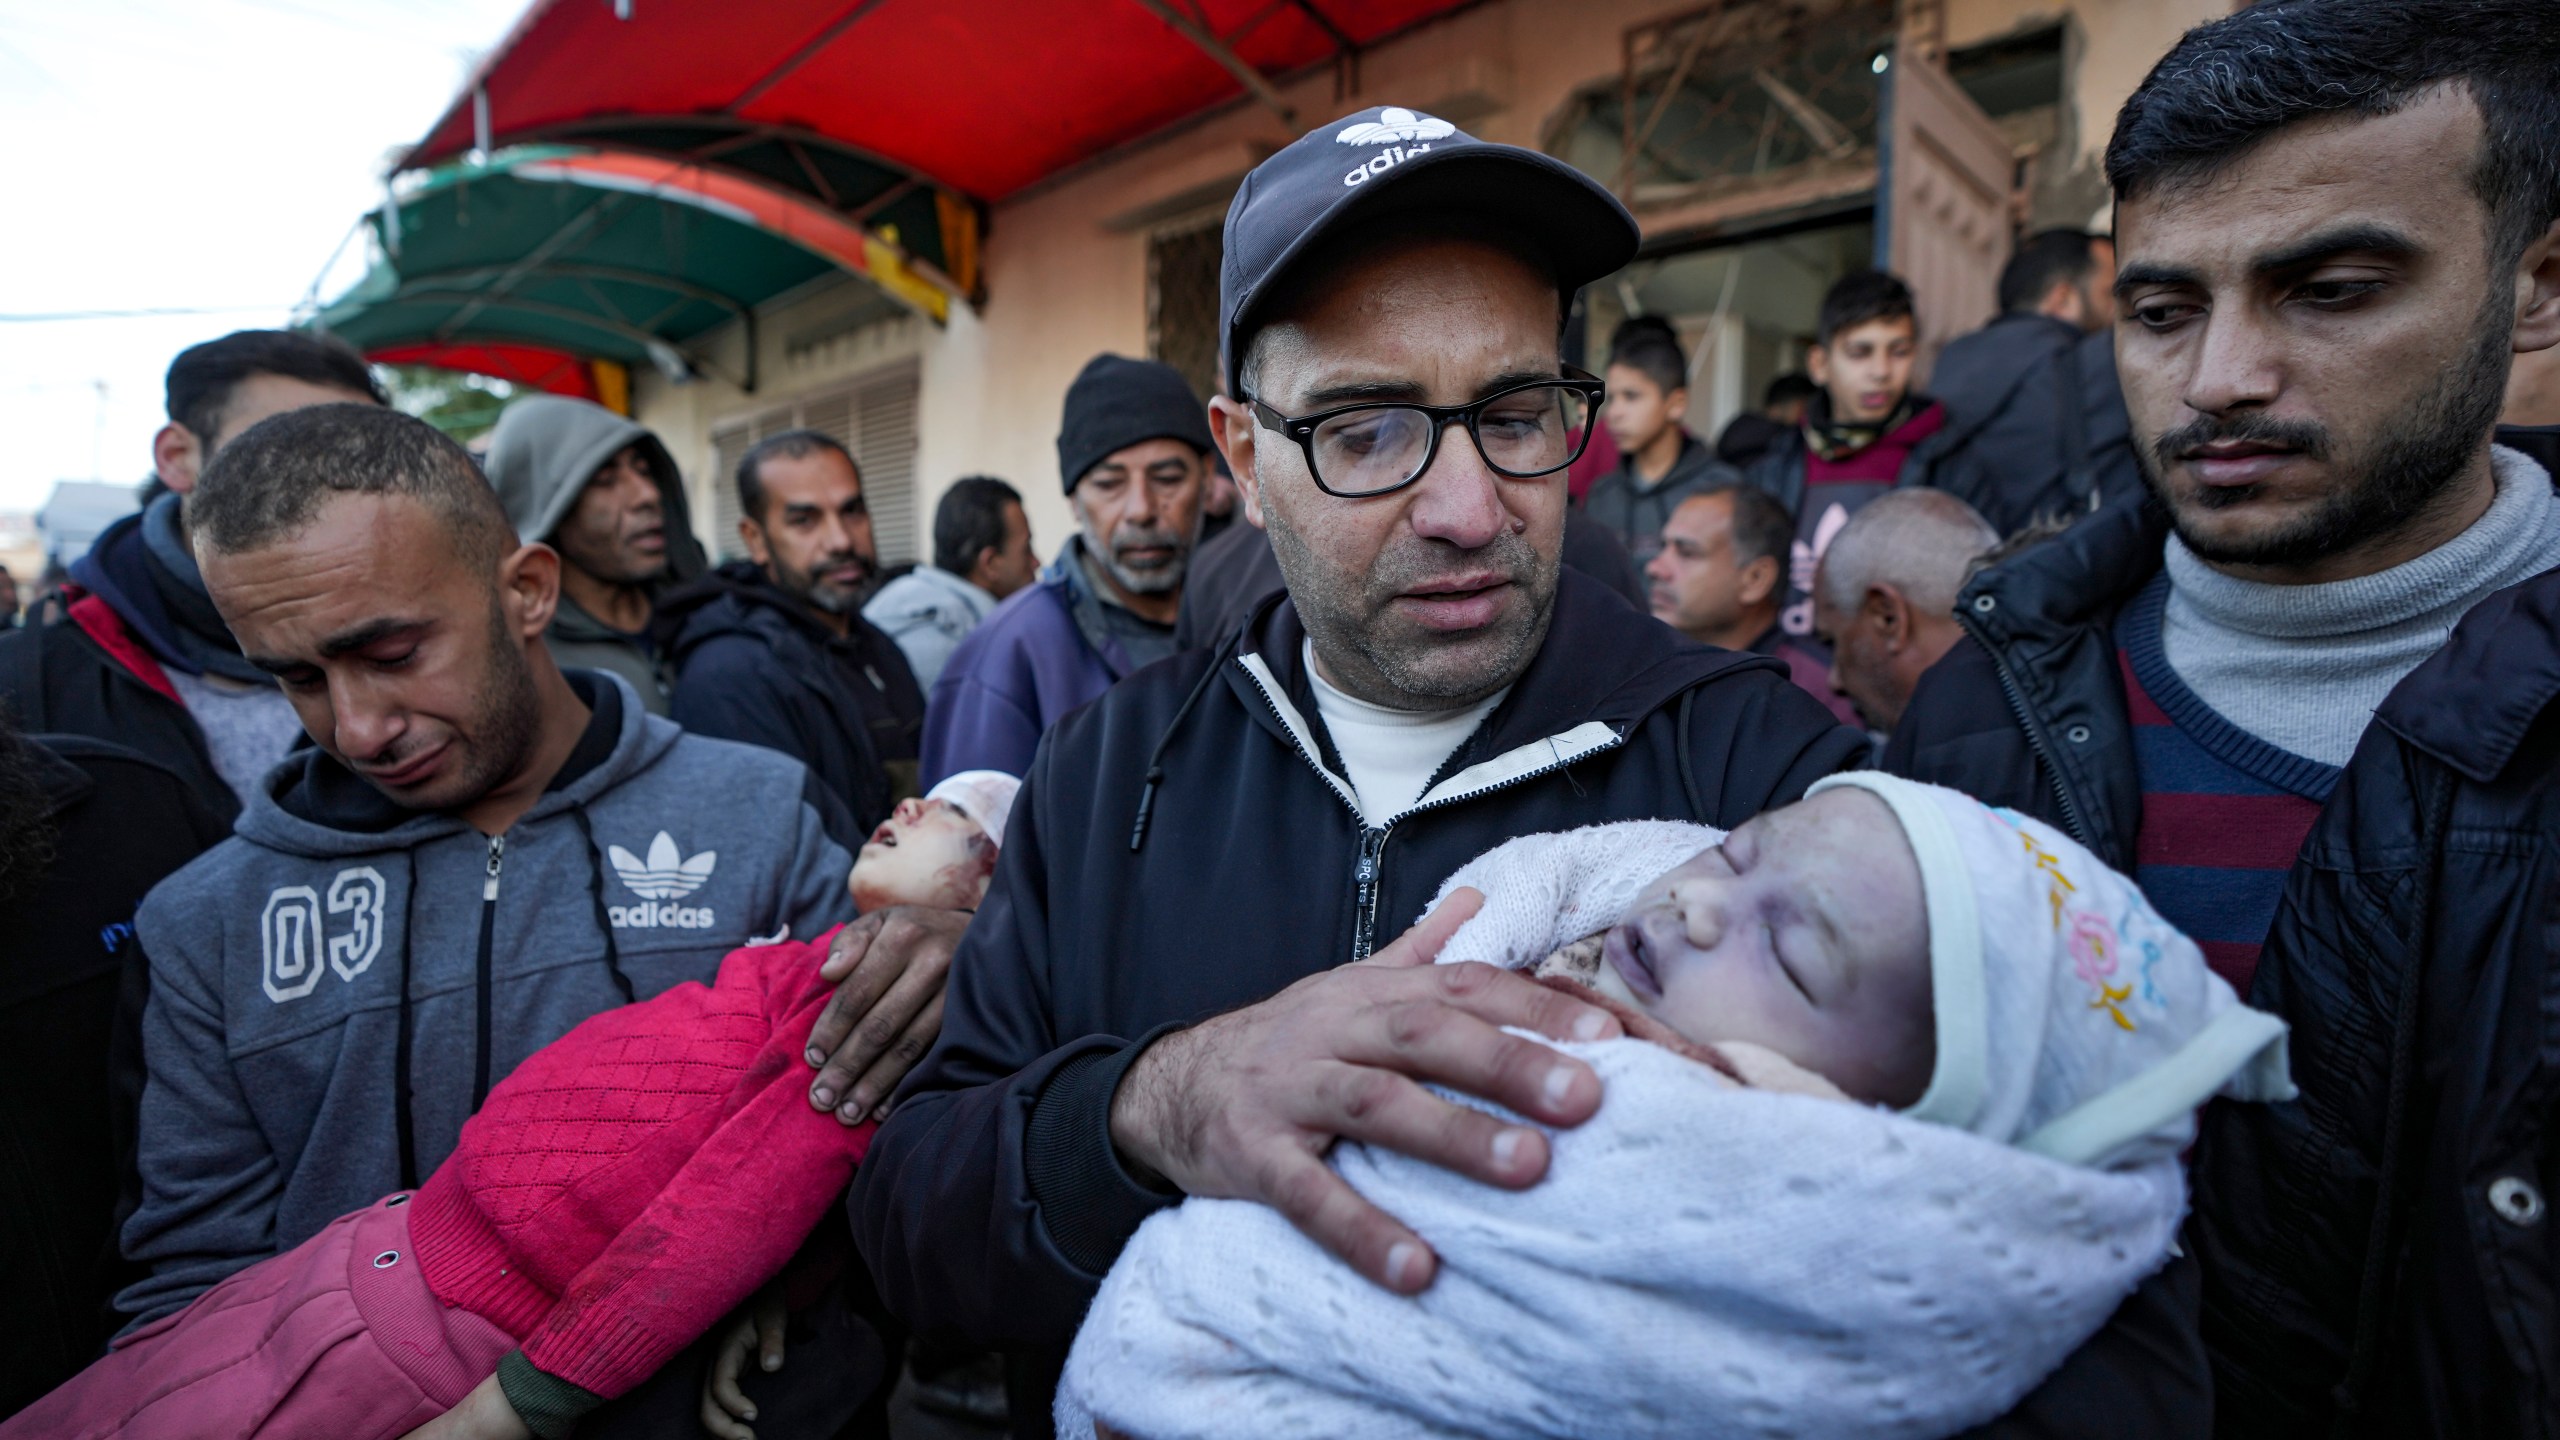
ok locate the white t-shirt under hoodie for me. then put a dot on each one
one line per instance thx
(1391, 754)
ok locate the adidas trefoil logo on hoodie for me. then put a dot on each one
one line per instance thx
(663, 876)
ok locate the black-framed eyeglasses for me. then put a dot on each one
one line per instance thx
(1523, 431)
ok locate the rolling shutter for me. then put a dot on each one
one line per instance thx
(875, 418)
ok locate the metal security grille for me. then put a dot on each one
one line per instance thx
(875, 418)
(1732, 92)
(1182, 303)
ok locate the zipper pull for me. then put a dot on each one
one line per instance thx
(1364, 871)
(497, 859)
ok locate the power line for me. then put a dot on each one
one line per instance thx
(44, 316)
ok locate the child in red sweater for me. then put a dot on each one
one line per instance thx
(618, 1194)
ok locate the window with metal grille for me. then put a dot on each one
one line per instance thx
(1730, 94)
(875, 418)
(1182, 303)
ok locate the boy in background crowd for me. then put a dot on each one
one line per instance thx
(1660, 463)
(1863, 435)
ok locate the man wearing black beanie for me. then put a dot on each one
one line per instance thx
(1133, 449)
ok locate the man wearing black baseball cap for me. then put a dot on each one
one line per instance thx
(1153, 1000)
(1133, 449)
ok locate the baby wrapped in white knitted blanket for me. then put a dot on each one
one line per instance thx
(1911, 1137)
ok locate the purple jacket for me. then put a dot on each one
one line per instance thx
(1026, 664)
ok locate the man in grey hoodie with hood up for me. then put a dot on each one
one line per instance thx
(605, 494)
(478, 853)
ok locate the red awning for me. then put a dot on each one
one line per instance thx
(983, 97)
(553, 370)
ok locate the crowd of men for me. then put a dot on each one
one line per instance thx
(333, 789)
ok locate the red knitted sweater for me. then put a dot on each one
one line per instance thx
(643, 1174)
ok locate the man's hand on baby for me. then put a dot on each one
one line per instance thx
(1246, 1105)
(889, 968)
(756, 1327)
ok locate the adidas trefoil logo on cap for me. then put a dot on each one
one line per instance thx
(1392, 124)
(665, 875)
(1404, 133)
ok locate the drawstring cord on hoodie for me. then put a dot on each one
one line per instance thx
(1155, 758)
(1688, 768)
(400, 1082)
(595, 890)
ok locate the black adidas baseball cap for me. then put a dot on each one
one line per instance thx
(1391, 161)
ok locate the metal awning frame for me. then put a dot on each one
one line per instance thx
(482, 284)
(611, 133)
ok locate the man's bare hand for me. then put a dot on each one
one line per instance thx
(889, 968)
(1246, 1105)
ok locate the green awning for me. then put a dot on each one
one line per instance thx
(606, 256)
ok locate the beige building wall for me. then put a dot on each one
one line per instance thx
(1066, 263)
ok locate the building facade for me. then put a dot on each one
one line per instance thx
(1745, 136)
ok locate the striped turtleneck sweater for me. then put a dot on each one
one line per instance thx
(2248, 698)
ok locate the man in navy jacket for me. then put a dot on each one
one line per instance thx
(1154, 1001)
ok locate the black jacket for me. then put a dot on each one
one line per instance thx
(2388, 1236)
(70, 1071)
(57, 677)
(2028, 711)
(753, 664)
(992, 1202)
(1234, 573)
(2035, 421)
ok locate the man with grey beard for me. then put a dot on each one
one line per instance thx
(1133, 447)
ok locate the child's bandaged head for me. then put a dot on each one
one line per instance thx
(2069, 1018)
(938, 851)
(985, 796)
(2072, 1020)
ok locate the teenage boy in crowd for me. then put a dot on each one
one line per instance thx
(1660, 463)
(2337, 229)
(141, 658)
(1863, 435)
(603, 493)
(1133, 448)
(774, 650)
(2015, 447)
(478, 853)
(1718, 576)
(981, 554)
(1432, 684)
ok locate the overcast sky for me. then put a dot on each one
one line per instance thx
(185, 154)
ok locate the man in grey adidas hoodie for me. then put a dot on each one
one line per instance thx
(480, 853)
(606, 495)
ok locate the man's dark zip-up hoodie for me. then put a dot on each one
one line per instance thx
(1186, 845)
(753, 664)
(336, 987)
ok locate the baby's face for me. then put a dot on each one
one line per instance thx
(1804, 932)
